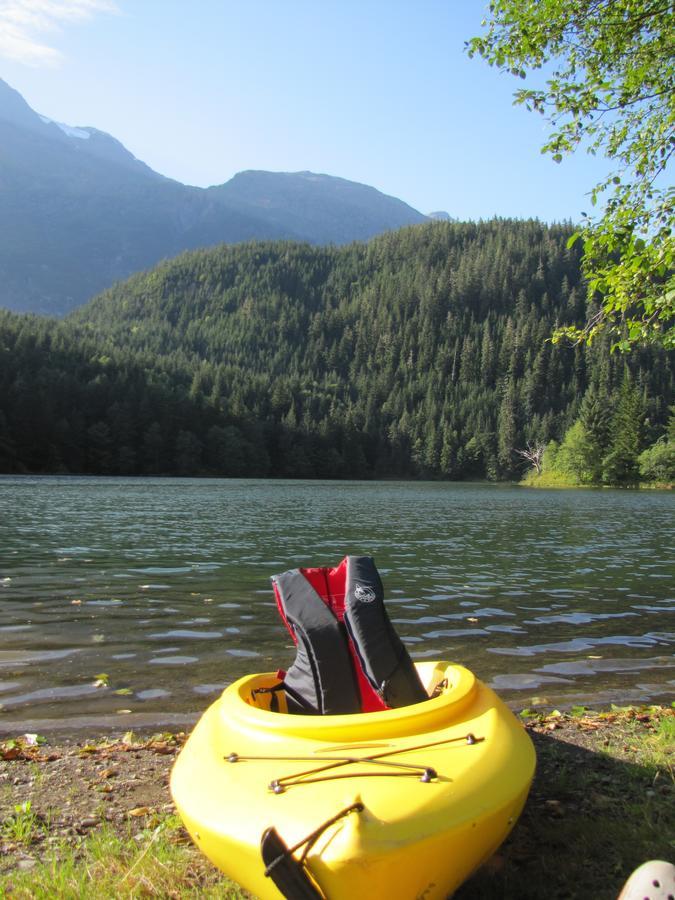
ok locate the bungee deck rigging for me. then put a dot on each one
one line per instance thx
(426, 773)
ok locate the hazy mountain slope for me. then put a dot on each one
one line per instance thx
(318, 208)
(79, 212)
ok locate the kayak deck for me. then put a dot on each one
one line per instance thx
(436, 787)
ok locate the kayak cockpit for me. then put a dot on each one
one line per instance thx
(451, 689)
(263, 691)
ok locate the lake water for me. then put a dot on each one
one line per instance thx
(552, 597)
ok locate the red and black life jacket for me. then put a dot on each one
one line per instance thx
(349, 658)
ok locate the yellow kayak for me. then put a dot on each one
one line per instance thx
(402, 803)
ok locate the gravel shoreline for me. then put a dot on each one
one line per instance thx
(74, 787)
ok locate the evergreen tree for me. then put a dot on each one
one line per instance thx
(621, 465)
(507, 430)
(595, 418)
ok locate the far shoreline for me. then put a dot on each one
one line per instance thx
(528, 481)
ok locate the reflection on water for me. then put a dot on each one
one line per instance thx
(162, 585)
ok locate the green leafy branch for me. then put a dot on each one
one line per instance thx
(611, 90)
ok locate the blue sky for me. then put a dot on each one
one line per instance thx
(377, 91)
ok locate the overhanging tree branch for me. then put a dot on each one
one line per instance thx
(614, 91)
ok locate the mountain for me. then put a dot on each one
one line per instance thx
(78, 211)
(318, 208)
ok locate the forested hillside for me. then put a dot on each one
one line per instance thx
(423, 353)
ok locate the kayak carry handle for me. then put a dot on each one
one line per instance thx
(292, 876)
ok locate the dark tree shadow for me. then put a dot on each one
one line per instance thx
(589, 821)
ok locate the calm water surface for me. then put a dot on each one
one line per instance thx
(552, 597)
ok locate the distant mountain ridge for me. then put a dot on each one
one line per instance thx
(78, 211)
(347, 211)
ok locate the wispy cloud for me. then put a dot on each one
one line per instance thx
(26, 26)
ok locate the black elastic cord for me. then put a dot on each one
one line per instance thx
(268, 690)
(273, 691)
(427, 773)
(313, 837)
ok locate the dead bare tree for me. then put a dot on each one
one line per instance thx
(533, 454)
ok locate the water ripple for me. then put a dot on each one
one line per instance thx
(564, 592)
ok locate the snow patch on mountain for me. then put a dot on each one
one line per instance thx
(68, 129)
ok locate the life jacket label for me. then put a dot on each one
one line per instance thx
(364, 593)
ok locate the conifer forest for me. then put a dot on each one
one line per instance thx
(424, 353)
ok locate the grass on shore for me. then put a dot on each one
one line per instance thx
(552, 479)
(603, 802)
(160, 861)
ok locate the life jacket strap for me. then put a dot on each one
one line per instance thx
(321, 679)
(381, 652)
